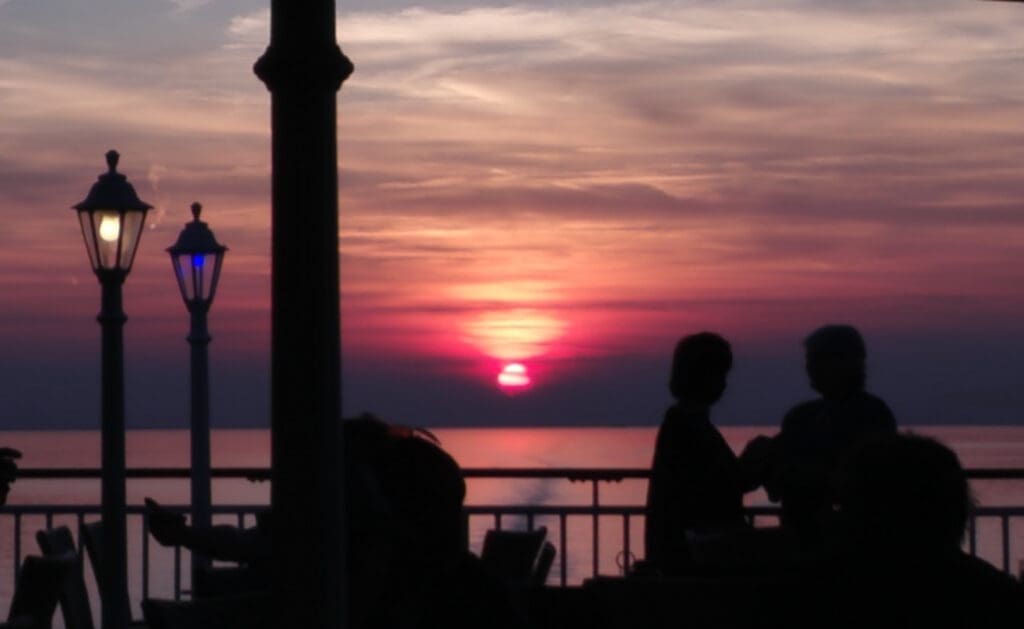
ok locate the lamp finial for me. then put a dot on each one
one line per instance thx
(196, 209)
(112, 157)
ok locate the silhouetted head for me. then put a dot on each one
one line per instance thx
(903, 494)
(404, 497)
(699, 367)
(426, 490)
(835, 360)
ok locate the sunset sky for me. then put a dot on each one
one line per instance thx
(565, 185)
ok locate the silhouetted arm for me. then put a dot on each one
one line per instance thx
(226, 543)
(755, 463)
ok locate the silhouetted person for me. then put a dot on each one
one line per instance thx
(815, 435)
(407, 560)
(902, 507)
(8, 471)
(697, 482)
(415, 546)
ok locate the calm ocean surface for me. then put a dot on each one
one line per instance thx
(977, 446)
(472, 447)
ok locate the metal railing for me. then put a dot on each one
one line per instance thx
(621, 521)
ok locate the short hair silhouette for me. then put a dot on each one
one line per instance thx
(699, 366)
(843, 340)
(835, 360)
(905, 493)
(424, 487)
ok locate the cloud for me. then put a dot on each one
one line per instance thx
(184, 6)
(629, 168)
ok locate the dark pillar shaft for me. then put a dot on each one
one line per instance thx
(199, 341)
(114, 588)
(303, 69)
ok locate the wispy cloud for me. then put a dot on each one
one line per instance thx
(184, 6)
(626, 169)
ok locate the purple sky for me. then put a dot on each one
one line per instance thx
(568, 185)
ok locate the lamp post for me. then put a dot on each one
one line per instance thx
(112, 217)
(197, 258)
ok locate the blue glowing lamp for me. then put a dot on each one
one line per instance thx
(112, 218)
(197, 258)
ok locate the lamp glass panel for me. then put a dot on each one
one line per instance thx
(132, 222)
(106, 226)
(85, 220)
(206, 269)
(217, 259)
(183, 274)
(198, 263)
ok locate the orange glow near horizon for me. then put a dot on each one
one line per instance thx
(514, 334)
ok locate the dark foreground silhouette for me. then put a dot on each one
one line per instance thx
(697, 482)
(407, 563)
(872, 520)
(817, 434)
(891, 556)
(871, 534)
(902, 507)
(8, 471)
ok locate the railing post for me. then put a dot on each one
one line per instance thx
(145, 555)
(563, 547)
(1004, 521)
(596, 501)
(177, 573)
(17, 546)
(625, 544)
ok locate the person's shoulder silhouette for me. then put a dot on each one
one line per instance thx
(902, 505)
(817, 433)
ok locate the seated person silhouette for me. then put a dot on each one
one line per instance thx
(817, 433)
(902, 507)
(407, 560)
(8, 471)
(697, 482)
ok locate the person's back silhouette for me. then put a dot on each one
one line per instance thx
(816, 434)
(902, 507)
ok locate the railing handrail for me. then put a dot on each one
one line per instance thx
(605, 474)
(600, 514)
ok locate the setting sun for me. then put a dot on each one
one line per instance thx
(514, 376)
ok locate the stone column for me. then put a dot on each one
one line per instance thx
(303, 68)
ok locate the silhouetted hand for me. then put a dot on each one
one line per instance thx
(167, 528)
(8, 471)
(757, 457)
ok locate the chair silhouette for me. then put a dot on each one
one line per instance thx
(520, 558)
(74, 598)
(91, 534)
(544, 561)
(36, 592)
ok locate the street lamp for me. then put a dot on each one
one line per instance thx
(112, 218)
(197, 258)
